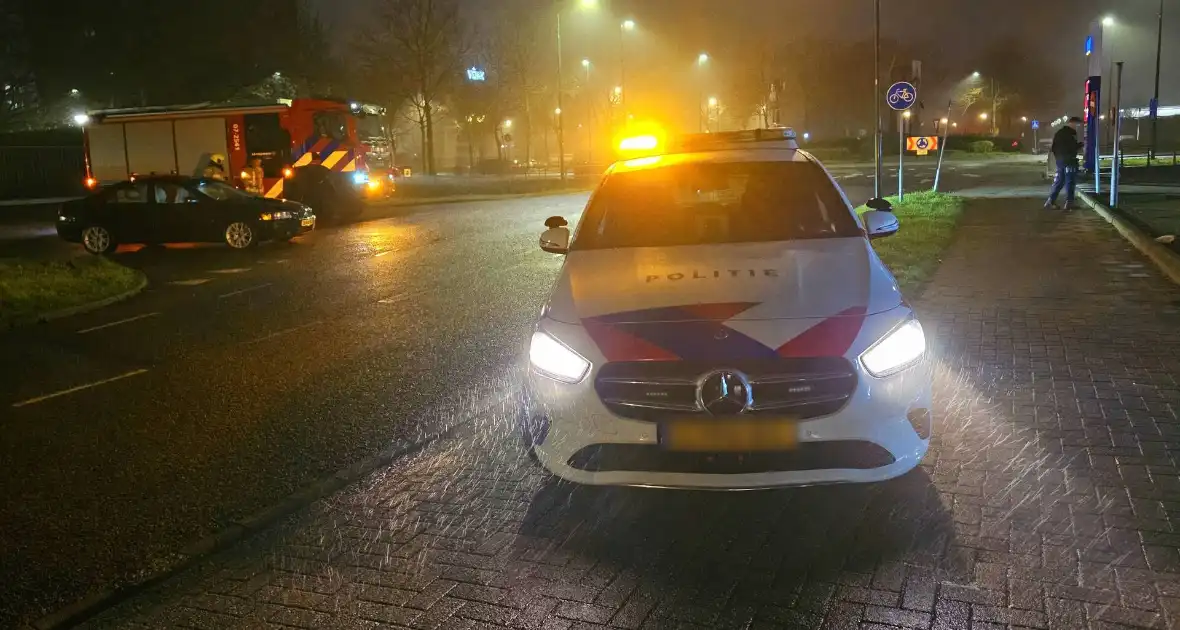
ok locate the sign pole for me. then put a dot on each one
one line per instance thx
(878, 142)
(900, 154)
(1118, 129)
(942, 147)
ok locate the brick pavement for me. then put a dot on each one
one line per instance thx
(1047, 500)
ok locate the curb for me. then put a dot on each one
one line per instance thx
(1164, 259)
(81, 308)
(242, 528)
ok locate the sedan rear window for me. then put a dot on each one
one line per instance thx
(712, 203)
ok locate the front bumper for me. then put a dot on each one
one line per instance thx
(290, 228)
(881, 432)
(69, 231)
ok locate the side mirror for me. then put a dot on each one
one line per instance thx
(556, 240)
(879, 223)
(556, 222)
(877, 203)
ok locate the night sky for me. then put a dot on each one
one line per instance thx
(956, 32)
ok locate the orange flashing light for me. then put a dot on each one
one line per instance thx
(91, 183)
(288, 172)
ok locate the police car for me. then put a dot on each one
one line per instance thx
(722, 321)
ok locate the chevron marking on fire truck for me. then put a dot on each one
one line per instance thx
(275, 191)
(334, 159)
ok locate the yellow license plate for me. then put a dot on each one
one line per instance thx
(730, 435)
(307, 222)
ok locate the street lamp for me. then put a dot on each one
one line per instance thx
(624, 26)
(1024, 119)
(975, 75)
(557, 112)
(585, 4)
(983, 116)
(1108, 20)
(508, 123)
(702, 59)
(590, 107)
(81, 119)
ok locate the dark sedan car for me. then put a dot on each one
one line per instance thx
(179, 209)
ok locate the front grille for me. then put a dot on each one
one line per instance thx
(848, 454)
(660, 390)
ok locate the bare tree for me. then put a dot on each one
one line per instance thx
(967, 97)
(423, 43)
(514, 55)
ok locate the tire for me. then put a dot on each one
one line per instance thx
(240, 235)
(98, 240)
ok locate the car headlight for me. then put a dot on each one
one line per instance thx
(65, 218)
(360, 177)
(903, 347)
(553, 359)
(275, 216)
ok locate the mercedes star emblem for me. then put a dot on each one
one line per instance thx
(724, 393)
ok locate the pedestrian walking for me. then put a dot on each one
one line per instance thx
(1065, 153)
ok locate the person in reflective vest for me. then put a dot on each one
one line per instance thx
(215, 169)
(252, 177)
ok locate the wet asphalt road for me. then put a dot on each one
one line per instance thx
(243, 376)
(239, 377)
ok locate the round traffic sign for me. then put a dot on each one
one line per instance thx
(923, 143)
(901, 96)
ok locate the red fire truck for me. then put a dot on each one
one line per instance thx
(286, 134)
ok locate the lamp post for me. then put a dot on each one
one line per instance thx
(585, 4)
(709, 112)
(624, 26)
(1159, 45)
(702, 59)
(590, 124)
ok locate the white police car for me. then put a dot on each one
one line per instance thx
(722, 321)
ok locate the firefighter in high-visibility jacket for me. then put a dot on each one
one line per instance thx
(215, 169)
(252, 177)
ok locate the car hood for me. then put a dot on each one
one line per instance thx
(820, 278)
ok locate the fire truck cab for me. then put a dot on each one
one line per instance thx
(308, 147)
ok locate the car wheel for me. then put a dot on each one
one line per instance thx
(98, 240)
(239, 235)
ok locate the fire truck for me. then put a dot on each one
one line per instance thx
(287, 135)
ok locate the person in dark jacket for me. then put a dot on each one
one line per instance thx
(1065, 152)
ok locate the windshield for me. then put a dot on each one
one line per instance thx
(221, 191)
(712, 203)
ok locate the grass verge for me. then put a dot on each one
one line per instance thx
(927, 226)
(29, 288)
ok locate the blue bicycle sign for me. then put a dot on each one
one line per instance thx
(901, 96)
(923, 144)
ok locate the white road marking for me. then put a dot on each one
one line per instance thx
(234, 270)
(33, 401)
(972, 175)
(382, 253)
(116, 323)
(189, 283)
(282, 332)
(241, 291)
